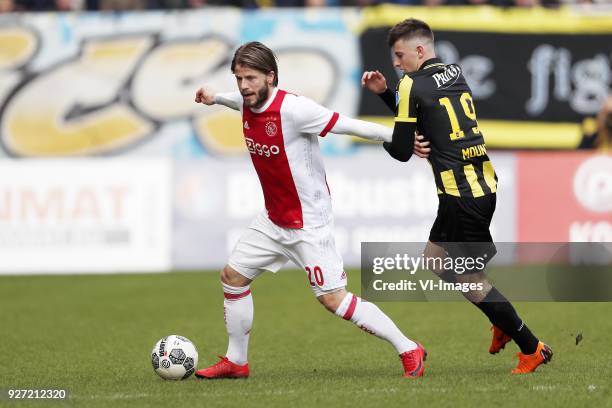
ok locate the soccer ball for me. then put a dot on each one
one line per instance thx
(174, 357)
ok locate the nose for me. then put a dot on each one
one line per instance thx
(396, 63)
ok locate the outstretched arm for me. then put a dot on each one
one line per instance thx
(232, 100)
(399, 147)
(312, 118)
(361, 128)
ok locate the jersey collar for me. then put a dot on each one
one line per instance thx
(268, 102)
(430, 63)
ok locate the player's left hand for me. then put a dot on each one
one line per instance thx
(421, 148)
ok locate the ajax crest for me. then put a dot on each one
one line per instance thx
(271, 129)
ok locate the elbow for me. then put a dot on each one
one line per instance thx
(399, 155)
(404, 157)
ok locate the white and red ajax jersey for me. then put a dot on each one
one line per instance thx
(281, 137)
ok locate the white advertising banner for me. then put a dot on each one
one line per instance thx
(85, 215)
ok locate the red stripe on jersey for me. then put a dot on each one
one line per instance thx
(264, 139)
(235, 296)
(351, 309)
(330, 124)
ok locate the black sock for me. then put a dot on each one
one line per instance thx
(502, 314)
(487, 311)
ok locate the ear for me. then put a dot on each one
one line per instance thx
(420, 50)
(270, 78)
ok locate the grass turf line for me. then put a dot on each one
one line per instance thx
(92, 335)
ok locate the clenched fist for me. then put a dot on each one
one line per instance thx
(205, 96)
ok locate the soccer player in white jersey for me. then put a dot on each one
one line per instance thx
(281, 131)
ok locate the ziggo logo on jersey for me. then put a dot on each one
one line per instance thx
(262, 150)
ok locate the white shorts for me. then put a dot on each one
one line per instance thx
(267, 247)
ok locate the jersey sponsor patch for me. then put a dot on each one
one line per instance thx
(261, 149)
(447, 77)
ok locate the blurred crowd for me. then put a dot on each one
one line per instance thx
(109, 5)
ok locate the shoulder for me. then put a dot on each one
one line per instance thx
(300, 100)
(427, 80)
(299, 109)
(442, 77)
(406, 79)
(301, 105)
(405, 87)
(290, 100)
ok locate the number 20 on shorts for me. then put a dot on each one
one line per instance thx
(315, 276)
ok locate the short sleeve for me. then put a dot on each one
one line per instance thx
(311, 118)
(406, 106)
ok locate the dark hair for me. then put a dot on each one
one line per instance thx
(408, 29)
(256, 56)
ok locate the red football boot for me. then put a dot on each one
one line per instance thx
(413, 362)
(529, 362)
(224, 369)
(498, 343)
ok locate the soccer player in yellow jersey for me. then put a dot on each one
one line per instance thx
(434, 99)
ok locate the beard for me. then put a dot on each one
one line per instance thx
(261, 96)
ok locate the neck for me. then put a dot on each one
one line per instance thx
(426, 57)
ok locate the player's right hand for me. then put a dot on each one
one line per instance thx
(421, 146)
(374, 81)
(204, 96)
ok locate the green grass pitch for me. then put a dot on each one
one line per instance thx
(92, 335)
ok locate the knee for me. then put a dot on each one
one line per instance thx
(331, 301)
(479, 294)
(474, 296)
(230, 277)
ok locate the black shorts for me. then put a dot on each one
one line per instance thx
(462, 227)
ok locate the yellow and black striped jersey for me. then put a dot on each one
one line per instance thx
(438, 99)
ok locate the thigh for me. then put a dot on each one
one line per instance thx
(463, 219)
(474, 217)
(317, 255)
(443, 222)
(256, 252)
(462, 228)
